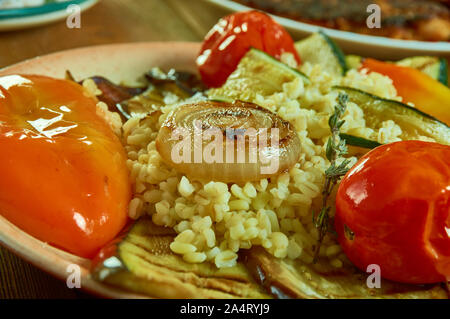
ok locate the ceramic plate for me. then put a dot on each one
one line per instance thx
(119, 62)
(15, 19)
(364, 45)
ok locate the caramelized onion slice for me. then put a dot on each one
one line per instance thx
(227, 142)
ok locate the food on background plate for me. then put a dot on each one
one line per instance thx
(221, 230)
(400, 19)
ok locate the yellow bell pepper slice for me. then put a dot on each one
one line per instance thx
(427, 94)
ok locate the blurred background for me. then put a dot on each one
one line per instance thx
(114, 21)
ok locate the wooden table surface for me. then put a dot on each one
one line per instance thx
(110, 21)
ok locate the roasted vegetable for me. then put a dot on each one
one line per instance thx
(130, 101)
(173, 84)
(433, 66)
(257, 73)
(286, 278)
(395, 202)
(112, 94)
(427, 94)
(353, 61)
(413, 122)
(237, 142)
(64, 177)
(142, 262)
(231, 38)
(320, 49)
(178, 82)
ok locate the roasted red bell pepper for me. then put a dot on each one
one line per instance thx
(427, 94)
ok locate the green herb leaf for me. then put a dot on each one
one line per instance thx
(335, 148)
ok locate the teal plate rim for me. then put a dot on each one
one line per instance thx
(32, 11)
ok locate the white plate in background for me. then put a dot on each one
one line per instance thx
(32, 17)
(364, 45)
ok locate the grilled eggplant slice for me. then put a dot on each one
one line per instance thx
(142, 262)
(294, 279)
(175, 81)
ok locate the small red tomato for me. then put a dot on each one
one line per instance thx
(229, 40)
(393, 210)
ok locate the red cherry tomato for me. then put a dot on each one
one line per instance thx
(393, 210)
(230, 39)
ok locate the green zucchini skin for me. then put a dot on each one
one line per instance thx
(256, 73)
(345, 88)
(268, 57)
(338, 53)
(432, 66)
(359, 141)
(318, 48)
(435, 67)
(353, 61)
(443, 71)
(413, 122)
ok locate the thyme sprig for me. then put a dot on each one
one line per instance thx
(335, 148)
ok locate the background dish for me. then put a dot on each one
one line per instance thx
(118, 62)
(15, 19)
(364, 45)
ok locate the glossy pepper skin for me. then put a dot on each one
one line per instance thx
(427, 94)
(63, 172)
(393, 210)
(229, 40)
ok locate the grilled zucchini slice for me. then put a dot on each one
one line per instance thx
(430, 65)
(353, 61)
(320, 49)
(256, 73)
(413, 122)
